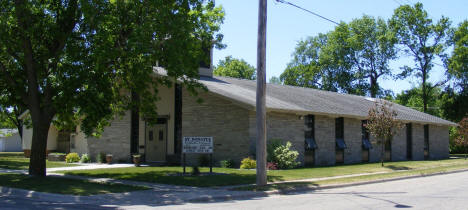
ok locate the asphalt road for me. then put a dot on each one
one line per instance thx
(434, 192)
(439, 192)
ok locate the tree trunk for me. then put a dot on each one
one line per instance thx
(373, 86)
(424, 94)
(37, 162)
(382, 154)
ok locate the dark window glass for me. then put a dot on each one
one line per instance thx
(366, 144)
(150, 135)
(309, 133)
(339, 128)
(426, 142)
(409, 141)
(426, 136)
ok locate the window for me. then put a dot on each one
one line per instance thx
(339, 138)
(366, 144)
(310, 145)
(309, 133)
(426, 142)
(409, 141)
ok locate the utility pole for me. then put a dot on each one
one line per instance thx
(261, 90)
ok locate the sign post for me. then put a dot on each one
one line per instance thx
(198, 145)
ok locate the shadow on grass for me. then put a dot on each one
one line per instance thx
(163, 177)
(397, 168)
(14, 163)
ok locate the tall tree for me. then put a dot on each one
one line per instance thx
(237, 68)
(366, 46)
(383, 125)
(63, 58)
(422, 40)
(458, 62)
(312, 68)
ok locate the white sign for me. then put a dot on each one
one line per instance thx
(197, 145)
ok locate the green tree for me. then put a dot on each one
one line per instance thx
(311, 67)
(383, 125)
(422, 40)
(458, 62)
(237, 68)
(81, 58)
(462, 137)
(412, 98)
(275, 80)
(367, 46)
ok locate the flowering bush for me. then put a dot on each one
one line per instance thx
(272, 166)
(72, 158)
(248, 163)
(285, 157)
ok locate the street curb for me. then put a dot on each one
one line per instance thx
(254, 194)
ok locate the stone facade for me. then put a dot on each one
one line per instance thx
(438, 142)
(325, 139)
(353, 140)
(115, 140)
(399, 145)
(226, 122)
(285, 127)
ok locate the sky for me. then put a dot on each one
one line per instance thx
(287, 25)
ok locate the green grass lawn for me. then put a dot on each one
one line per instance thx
(364, 178)
(239, 177)
(17, 161)
(62, 185)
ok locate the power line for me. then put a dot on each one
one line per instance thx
(286, 2)
(397, 2)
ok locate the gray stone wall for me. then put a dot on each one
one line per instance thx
(418, 141)
(325, 139)
(376, 151)
(285, 127)
(226, 122)
(353, 140)
(399, 145)
(115, 140)
(438, 142)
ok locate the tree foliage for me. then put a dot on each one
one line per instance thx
(349, 59)
(462, 134)
(237, 68)
(412, 98)
(422, 40)
(382, 124)
(458, 62)
(275, 80)
(78, 59)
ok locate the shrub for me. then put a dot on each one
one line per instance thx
(248, 163)
(272, 166)
(271, 146)
(85, 158)
(101, 158)
(72, 157)
(285, 157)
(229, 163)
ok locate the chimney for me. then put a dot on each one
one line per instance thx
(206, 69)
